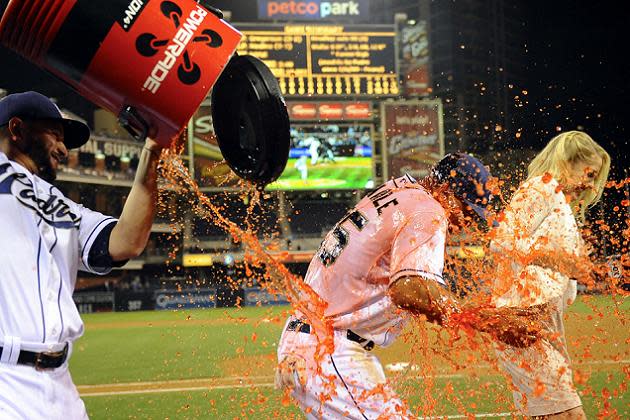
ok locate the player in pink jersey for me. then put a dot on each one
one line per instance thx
(383, 259)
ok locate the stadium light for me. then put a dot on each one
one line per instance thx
(400, 17)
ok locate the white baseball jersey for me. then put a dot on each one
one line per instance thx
(395, 231)
(45, 238)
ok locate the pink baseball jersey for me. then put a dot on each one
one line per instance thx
(397, 230)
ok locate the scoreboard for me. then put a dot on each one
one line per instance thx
(326, 60)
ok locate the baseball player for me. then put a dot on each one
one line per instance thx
(538, 233)
(302, 167)
(45, 238)
(382, 260)
(313, 148)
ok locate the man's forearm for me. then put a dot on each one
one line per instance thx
(424, 297)
(130, 235)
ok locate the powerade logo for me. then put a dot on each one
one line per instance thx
(148, 45)
(313, 9)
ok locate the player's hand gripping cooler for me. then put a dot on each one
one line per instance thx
(152, 63)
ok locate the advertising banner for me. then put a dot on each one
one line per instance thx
(185, 299)
(103, 158)
(323, 111)
(313, 10)
(134, 301)
(414, 59)
(255, 296)
(89, 302)
(413, 139)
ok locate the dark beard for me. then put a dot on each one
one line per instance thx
(47, 173)
(42, 157)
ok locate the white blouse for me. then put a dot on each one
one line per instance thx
(538, 220)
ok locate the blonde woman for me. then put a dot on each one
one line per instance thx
(540, 253)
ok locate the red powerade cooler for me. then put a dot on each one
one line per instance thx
(152, 63)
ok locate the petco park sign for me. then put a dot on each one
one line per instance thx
(313, 9)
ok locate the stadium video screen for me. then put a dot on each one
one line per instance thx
(335, 156)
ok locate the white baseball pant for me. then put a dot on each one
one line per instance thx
(349, 383)
(30, 394)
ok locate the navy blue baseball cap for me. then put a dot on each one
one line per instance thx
(468, 179)
(35, 106)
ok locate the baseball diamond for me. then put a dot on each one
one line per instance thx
(200, 364)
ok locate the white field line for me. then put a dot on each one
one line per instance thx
(239, 379)
(84, 390)
(400, 366)
(163, 390)
(193, 385)
(265, 385)
(241, 382)
(462, 416)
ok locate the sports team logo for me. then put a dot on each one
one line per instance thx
(53, 209)
(148, 45)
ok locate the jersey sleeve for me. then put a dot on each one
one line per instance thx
(419, 246)
(92, 224)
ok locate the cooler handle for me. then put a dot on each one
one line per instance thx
(135, 125)
(218, 13)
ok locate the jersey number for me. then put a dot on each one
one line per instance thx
(336, 241)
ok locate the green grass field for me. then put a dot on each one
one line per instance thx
(344, 173)
(219, 364)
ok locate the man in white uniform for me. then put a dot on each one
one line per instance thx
(45, 238)
(302, 167)
(383, 259)
(313, 148)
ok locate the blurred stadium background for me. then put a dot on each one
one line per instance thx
(439, 77)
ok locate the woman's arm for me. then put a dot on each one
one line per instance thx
(572, 266)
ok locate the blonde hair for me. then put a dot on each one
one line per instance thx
(562, 152)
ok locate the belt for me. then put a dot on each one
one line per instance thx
(44, 360)
(300, 326)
